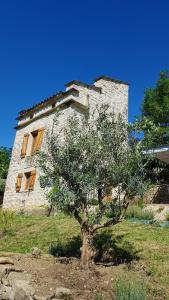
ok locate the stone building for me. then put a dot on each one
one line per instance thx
(23, 191)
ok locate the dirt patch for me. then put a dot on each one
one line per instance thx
(47, 275)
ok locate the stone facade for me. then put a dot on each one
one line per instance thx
(78, 97)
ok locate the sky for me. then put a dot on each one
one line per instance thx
(46, 43)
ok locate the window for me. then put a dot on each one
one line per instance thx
(37, 140)
(30, 180)
(18, 182)
(24, 145)
(34, 141)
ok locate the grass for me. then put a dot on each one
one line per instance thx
(137, 212)
(130, 289)
(150, 242)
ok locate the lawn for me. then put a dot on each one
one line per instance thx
(148, 242)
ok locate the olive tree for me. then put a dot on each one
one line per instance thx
(91, 171)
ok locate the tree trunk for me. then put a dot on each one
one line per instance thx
(86, 250)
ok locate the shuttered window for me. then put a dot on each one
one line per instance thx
(30, 180)
(24, 145)
(19, 182)
(37, 140)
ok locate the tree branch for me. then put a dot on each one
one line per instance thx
(107, 224)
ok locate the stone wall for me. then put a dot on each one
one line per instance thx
(158, 194)
(115, 94)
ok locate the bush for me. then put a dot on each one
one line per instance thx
(147, 215)
(6, 220)
(71, 248)
(133, 212)
(130, 289)
(138, 213)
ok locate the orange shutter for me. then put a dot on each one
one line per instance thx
(24, 145)
(18, 182)
(39, 138)
(32, 180)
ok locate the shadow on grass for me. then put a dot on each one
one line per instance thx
(66, 249)
(114, 250)
(108, 250)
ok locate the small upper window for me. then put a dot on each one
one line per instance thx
(30, 180)
(37, 140)
(24, 145)
(34, 142)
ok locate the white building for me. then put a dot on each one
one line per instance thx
(23, 191)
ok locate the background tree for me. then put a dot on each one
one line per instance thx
(156, 107)
(5, 155)
(155, 114)
(92, 154)
(157, 171)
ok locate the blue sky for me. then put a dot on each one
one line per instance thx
(44, 44)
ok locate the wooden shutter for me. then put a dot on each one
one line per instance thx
(18, 182)
(39, 138)
(32, 180)
(24, 145)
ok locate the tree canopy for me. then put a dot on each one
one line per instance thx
(5, 155)
(156, 107)
(89, 161)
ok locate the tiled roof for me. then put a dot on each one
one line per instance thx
(80, 83)
(43, 103)
(110, 79)
(56, 96)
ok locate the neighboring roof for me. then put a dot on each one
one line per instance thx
(80, 83)
(43, 103)
(111, 79)
(161, 152)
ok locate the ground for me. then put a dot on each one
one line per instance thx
(141, 251)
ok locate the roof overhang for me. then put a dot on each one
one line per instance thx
(161, 153)
(66, 103)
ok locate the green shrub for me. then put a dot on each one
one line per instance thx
(130, 289)
(135, 211)
(147, 215)
(6, 220)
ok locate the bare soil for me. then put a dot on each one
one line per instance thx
(47, 274)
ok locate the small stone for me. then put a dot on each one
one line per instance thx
(6, 260)
(63, 293)
(36, 252)
(63, 260)
(5, 281)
